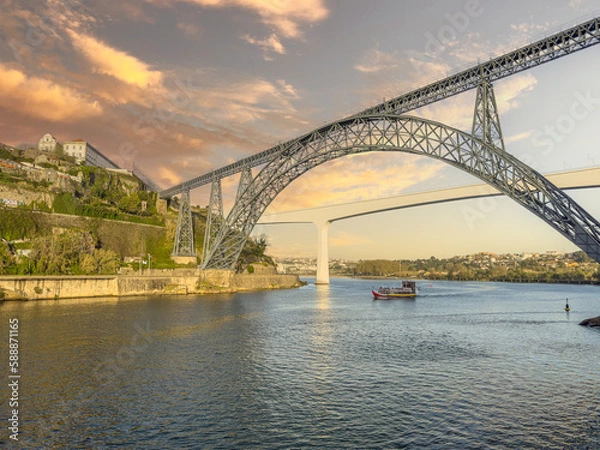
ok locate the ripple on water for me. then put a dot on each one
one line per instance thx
(464, 366)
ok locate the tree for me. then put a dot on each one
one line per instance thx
(254, 252)
(130, 203)
(581, 257)
(5, 256)
(596, 275)
(60, 254)
(99, 262)
(16, 224)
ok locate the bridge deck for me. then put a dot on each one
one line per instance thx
(322, 217)
(573, 179)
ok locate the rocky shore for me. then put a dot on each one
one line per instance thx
(593, 322)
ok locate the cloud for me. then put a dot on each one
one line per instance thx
(458, 111)
(528, 28)
(246, 101)
(390, 73)
(511, 90)
(272, 44)
(376, 61)
(42, 98)
(116, 63)
(284, 15)
(518, 137)
(168, 177)
(189, 29)
(356, 178)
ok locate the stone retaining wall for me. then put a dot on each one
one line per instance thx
(152, 282)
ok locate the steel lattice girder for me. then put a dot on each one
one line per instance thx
(548, 49)
(214, 217)
(412, 135)
(486, 120)
(184, 236)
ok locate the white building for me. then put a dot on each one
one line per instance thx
(47, 143)
(76, 149)
(84, 153)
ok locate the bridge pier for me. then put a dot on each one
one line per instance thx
(323, 253)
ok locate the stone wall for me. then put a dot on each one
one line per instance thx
(243, 282)
(151, 282)
(124, 238)
(54, 287)
(25, 195)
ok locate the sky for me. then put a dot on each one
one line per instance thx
(181, 87)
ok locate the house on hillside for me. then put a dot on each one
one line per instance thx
(84, 153)
(47, 143)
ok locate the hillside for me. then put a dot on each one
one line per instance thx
(58, 217)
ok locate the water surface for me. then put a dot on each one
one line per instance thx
(465, 365)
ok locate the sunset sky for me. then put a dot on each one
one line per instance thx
(185, 86)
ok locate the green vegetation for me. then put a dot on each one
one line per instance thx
(73, 252)
(86, 242)
(16, 224)
(574, 267)
(66, 203)
(5, 154)
(254, 252)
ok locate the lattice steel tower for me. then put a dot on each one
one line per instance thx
(184, 237)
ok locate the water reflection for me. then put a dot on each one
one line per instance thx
(323, 296)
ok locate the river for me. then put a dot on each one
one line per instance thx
(466, 365)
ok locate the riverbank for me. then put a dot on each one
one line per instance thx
(491, 280)
(151, 282)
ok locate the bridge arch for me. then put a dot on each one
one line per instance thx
(389, 132)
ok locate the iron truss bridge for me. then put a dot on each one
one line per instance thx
(385, 128)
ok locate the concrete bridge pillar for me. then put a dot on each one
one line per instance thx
(323, 253)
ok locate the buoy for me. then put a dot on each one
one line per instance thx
(567, 309)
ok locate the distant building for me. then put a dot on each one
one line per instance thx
(47, 143)
(84, 153)
(31, 153)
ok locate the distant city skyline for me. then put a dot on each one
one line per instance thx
(185, 86)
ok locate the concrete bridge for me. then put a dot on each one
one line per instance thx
(322, 217)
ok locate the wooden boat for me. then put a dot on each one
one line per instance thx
(408, 290)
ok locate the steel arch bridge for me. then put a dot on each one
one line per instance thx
(388, 132)
(384, 128)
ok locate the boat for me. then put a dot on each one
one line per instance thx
(408, 290)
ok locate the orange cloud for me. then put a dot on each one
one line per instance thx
(270, 44)
(42, 98)
(247, 100)
(168, 177)
(115, 63)
(284, 15)
(355, 178)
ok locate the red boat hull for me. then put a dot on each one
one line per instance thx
(379, 296)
